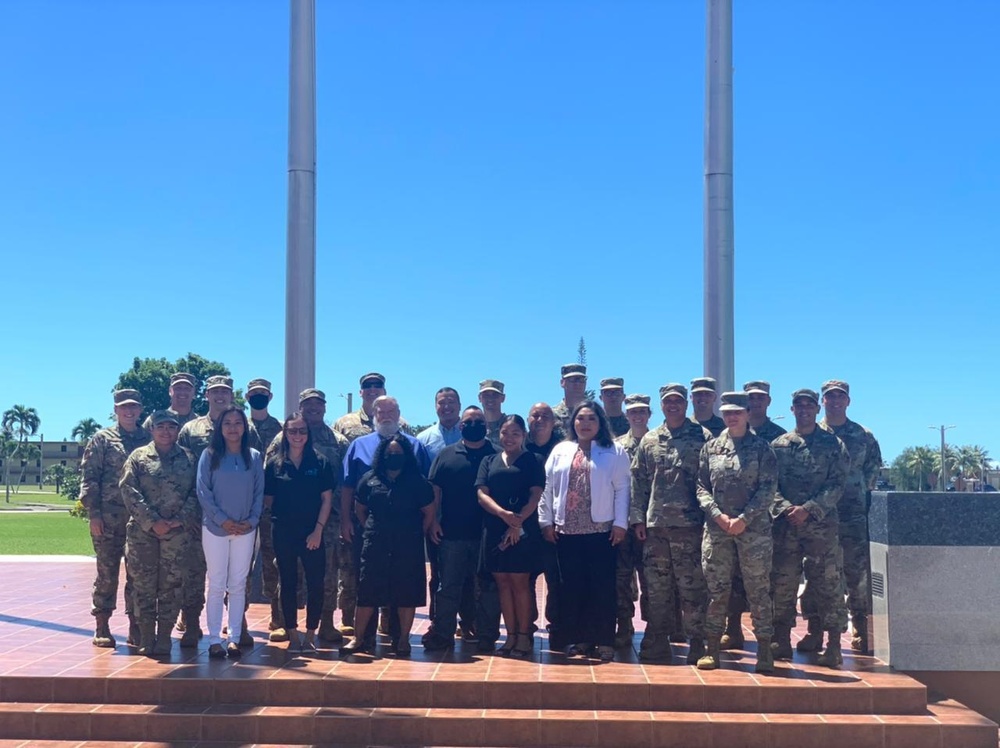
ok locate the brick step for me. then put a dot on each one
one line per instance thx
(686, 693)
(940, 726)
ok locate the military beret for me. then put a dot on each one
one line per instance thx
(258, 384)
(836, 384)
(183, 376)
(126, 397)
(757, 386)
(372, 375)
(805, 392)
(491, 385)
(636, 401)
(163, 416)
(702, 384)
(673, 389)
(310, 393)
(573, 370)
(218, 380)
(613, 383)
(733, 401)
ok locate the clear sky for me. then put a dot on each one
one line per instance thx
(496, 179)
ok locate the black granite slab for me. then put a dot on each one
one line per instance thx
(932, 518)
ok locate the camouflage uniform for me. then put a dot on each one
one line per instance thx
(768, 431)
(619, 425)
(561, 412)
(262, 434)
(664, 474)
(195, 436)
(156, 487)
(737, 477)
(812, 470)
(493, 432)
(354, 425)
(181, 420)
(100, 473)
(629, 564)
(715, 425)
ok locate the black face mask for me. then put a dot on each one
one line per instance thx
(474, 431)
(394, 462)
(258, 402)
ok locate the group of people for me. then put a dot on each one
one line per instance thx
(699, 520)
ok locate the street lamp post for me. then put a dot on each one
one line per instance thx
(944, 465)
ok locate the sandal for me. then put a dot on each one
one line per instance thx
(524, 647)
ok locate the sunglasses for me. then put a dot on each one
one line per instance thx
(297, 432)
(372, 385)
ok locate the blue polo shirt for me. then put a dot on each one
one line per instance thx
(360, 454)
(436, 437)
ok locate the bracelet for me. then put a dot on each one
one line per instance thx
(321, 524)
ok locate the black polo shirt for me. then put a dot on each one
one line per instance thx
(297, 491)
(454, 471)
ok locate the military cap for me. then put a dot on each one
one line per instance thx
(491, 385)
(573, 370)
(613, 383)
(183, 376)
(673, 389)
(702, 384)
(126, 397)
(757, 386)
(162, 416)
(310, 393)
(805, 392)
(733, 401)
(258, 384)
(836, 384)
(636, 401)
(372, 375)
(216, 381)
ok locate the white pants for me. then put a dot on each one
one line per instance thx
(228, 560)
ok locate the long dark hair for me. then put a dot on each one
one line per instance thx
(281, 454)
(517, 421)
(604, 436)
(218, 444)
(409, 459)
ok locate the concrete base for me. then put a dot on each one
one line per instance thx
(979, 691)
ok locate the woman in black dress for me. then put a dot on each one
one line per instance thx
(394, 503)
(510, 485)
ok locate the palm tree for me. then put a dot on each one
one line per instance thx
(18, 423)
(29, 453)
(920, 460)
(971, 461)
(950, 460)
(85, 429)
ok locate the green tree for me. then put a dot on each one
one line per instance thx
(56, 475)
(950, 460)
(29, 453)
(85, 429)
(18, 423)
(151, 377)
(581, 358)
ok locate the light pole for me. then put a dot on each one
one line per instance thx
(944, 465)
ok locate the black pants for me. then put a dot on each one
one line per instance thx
(289, 549)
(587, 596)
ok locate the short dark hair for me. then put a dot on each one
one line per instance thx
(452, 390)
(604, 437)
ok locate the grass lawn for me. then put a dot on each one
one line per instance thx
(43, 533)
(17, 500)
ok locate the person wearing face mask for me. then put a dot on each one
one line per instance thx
(263, 426)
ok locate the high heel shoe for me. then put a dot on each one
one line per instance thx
(508, 646)
(525, 645)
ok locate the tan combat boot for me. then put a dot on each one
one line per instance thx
(192, 630)
(813, 640)
(832, 656)
(102, 631)
(733, 638)
(710, 660)
(327, 631)
(781, 645)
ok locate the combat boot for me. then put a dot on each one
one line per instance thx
(327, 631)
(696, 650)
(623, 638)
(832, 656)
(102, 631)
(277, 620)
(134, 632)
(677, 638)
(654, 648)
(859, 638)
(710, 660)
(765, 656)
(733, 638)
(163, 643)
(246, 638)
(192, 631)
(147, 639)
(781, 645)
(813, 640)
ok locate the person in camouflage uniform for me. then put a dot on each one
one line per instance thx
(703, 397)
(158, 488)
(196, 436)
(866, 461)
(574, 385)
(629, 563)
(359, 423)
(612, 396)
(758, 400)
(737, 474)
(666, 517)
(812, 470)
(491, 397)
(100, 472)
(183, 387)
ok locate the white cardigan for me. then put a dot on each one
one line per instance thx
(610, 484)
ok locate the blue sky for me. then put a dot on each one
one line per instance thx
(496, 179)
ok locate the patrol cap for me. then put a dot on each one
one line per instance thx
(805, 392)
(674, 388)
(733, 401)
(702, 384)
(183, 376)
(163, 416)
(613, 383)
(310, 393)
(757, 386)
(217, 381)
(258, 384)
(374, 376)
(573, 370)
(836, 384)
(491, 385)
(127, 397)
(636, 401)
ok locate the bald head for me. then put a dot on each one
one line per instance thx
(541, 421)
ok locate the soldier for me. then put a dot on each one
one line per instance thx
(359, 423)
(100, 472)
(703, 403)
(574, 385)
(737, 474)
(629, 563)
(666, 516)
(263, 426)
(758, 400)
(491, 397)
(852, 510)
(196, 436)
(812, 469)
(183, 388)
(158, 487)
(612, 396)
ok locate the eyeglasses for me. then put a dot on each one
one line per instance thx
(297, 432)
(372, 385)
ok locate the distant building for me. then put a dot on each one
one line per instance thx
(68, 453)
